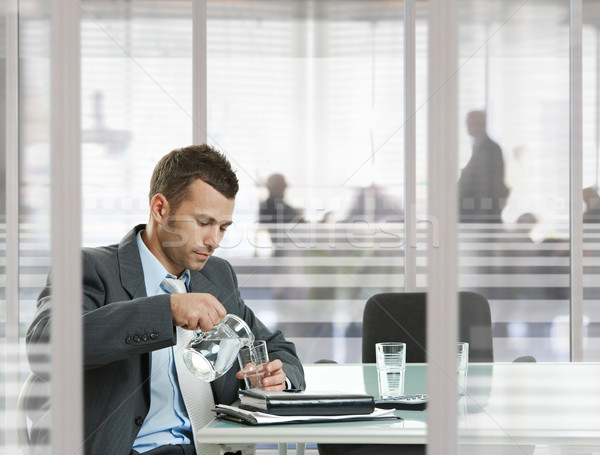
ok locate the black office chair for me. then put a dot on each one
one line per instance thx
(23, 405)
(33, 414)
(403, 317)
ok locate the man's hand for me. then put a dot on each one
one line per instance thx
(275, 380)
(194, 310)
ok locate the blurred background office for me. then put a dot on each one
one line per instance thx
(312, 90)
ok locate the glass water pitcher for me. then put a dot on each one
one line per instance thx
(209, 355)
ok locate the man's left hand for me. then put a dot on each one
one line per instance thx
(275, 379)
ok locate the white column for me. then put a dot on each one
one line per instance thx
(576, 227)
(410, 153)
(199, 71)
(67, 415)
(442, 260)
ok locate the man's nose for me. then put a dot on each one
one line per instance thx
(212, 237)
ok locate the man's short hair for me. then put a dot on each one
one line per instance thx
(177, 170)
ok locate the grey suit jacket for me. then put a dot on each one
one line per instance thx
(122, 326)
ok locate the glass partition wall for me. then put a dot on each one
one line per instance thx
(514, 242)
(25, 201)
(516, 163)
(309, 105)
(591, 167)
(306, 98)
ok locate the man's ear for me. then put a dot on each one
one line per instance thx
(159, 208)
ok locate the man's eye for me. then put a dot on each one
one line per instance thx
(223, 229)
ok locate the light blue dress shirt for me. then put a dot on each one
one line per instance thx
(167, 421)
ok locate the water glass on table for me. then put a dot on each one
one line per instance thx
(462, 364)
(391, 365)
(253, 359)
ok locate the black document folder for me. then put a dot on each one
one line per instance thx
(303, 403)
(236, 414)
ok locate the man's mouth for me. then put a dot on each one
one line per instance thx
(203, 254)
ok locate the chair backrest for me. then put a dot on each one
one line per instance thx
(403, 317)
(23, 404)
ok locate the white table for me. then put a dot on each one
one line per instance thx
(556, 404)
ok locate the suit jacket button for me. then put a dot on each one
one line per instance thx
(145, 337)
(139, 420)
(153, 336)
(136, 338)
(128, 340)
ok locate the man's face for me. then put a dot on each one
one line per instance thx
(471, 125)
(475, 124)
(192, 232)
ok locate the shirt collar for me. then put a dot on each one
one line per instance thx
(154, 271)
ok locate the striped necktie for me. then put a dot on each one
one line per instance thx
(197, 394)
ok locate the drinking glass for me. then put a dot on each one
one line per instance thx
(462, 364)
(391, 365)
(462, 356)
(253, 359)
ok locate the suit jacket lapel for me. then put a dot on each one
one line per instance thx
(130, 264)
(132, 280)
(199, 283)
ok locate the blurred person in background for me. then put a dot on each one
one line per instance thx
(482, 191)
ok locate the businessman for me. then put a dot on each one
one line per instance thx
(482, 190)
(138, 398)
